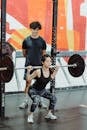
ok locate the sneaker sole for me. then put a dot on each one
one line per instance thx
(30, 122)
(23, 107)
(50, 118)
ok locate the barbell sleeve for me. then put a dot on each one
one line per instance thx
(72, 65)
(3, 68)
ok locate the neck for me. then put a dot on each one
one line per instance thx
(45, 68)
(36, 36)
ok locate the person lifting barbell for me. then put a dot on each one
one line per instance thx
(38, 89)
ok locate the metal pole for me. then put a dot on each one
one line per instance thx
(54, 39)
(2, 42)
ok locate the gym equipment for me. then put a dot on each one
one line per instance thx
(76, 67)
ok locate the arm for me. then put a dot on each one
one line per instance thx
(33, 75)
(44, 47)
(54, 72)
(43, 52)
(24, 48)
(24, 51)
(29, 79)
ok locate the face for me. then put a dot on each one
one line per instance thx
(35, 32)
(47, 63)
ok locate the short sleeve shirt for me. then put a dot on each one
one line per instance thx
(34, 47)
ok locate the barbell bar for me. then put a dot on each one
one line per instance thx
(38, 67)
(52, 66)
(76, 67)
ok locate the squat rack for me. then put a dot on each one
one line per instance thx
(3, 42)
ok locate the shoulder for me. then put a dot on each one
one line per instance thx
(38, 72)
(27, 41)
(43, 42)
(28, 38)
(41, 38)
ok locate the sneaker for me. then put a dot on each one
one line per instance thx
(23, 105)
(50, 116)
(30, 119)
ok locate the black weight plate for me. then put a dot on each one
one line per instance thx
(6, 75)
(79, 69)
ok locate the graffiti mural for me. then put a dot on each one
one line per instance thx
(72, 22)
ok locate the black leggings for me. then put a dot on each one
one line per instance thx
(34, 94)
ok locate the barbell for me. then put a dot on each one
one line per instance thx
(75, 65)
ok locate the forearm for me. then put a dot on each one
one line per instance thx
(43, 52)
(24, 52)
(28, 81)
(28, 84)
(28, 77)
(55, 72)
(31, 76)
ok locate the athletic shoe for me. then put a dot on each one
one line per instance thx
(23, 105)
(30, 119)
(50, 116)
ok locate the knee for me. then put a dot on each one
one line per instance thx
(33, 107)
(35, 103)
(54, 99)
(36, 100)
(28, 82)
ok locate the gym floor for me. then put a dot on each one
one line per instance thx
(70, 117)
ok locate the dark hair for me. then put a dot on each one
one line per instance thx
(44, 57)
(35, 25)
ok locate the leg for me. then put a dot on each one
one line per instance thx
(25, 102)
(35, 98)
(52, 104)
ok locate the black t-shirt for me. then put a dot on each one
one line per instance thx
(34, 49)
